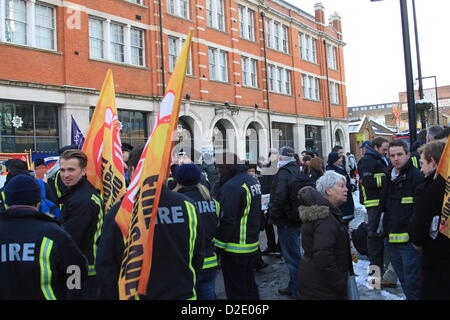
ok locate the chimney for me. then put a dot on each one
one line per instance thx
(335, 21)
(319, 12)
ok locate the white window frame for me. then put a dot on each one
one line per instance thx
(334, 93)
(246, 23)
(218, 64)
(308, 48)
(332, 57)
(140, 2)
(127, 43)
(277, 35)
(215, 14)
(174, 7)
(30, 25)
(175, 45)
(117, 44)
(310, 87)
(95, 38)
(249, 73)
(279, 80)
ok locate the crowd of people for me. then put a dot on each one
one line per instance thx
(57, 242)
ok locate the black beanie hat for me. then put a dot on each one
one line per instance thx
(22, 189)
(188, 174)
(333, 157)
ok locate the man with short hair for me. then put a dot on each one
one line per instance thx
(82, 213)
(397, 203)
(433, 131)
(372, 173)
(283, 212)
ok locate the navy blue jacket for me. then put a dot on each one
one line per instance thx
(35, 253)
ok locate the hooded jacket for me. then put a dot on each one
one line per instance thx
(36, 254)
(82, 218)
(372, 171)
(240, 216)
(326, 263)
(177, 251)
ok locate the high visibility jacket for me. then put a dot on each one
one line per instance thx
(372, 171)
(177, 251)
(397, 202)
(82, 218)
(240, 205)
(208, 212)
(35, 256)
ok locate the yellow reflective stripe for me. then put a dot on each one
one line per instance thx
(371, 203)
(398, 237)
(192, 236)
(244, 219)
(98, 232)
(217, 204)
(415, 162)
(58, 192)
(364, 193)
(46, 269)
(407, 200)
(4, 200)
(236, 247)
(210, 262)
(378, 177)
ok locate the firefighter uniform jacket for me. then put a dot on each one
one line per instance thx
(177, 251)
(372, 171)
(208, 212)
(397, 202)
(240, 203)
(35, 253)
(82, 218)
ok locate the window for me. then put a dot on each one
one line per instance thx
(96, 38)
(277, 36)
(126, 44)
(22, 28)
(136, 1)
(249, 72)
(331, 55)
(215, 14)
(178, 8)
(282, 134)
(39, 129)
(308, 48)
(246, 23)
(117, 43)
(279, 80)
(310, 87)
(334, 93)
(175, 46)
(137, 47)
(218, 69)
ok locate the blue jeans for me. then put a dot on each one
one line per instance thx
(289, 241)
(406, 262)
(206, 284)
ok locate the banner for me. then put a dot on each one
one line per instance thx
(105, 170)
(25, 156)
(77, 135)
(444, 171)
(137, 214)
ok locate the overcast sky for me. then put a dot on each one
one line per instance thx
(373, 56)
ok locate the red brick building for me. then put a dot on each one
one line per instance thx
(54, 56)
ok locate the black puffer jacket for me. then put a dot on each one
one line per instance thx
(326, 263)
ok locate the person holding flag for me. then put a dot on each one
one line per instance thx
(424, 225)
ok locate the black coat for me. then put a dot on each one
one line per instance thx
(326, 263)
(435, 280)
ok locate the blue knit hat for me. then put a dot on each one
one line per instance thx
(22, 189)
(188, 174)
(333, 157)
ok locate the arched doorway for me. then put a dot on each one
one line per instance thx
(223, 139)
(339, 138)
(252, 151)
(184, 139)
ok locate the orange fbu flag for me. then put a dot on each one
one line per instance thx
(396, 113)
(137, 214)
(105, 170)
(444, 171)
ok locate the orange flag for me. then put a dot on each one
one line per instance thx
(137, 214)
(444, 171)
(105, 170)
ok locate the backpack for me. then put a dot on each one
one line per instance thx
(295, 183)
(47, 206)
(359, 239)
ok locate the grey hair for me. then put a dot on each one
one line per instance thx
(433, 131)
(327, 181)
